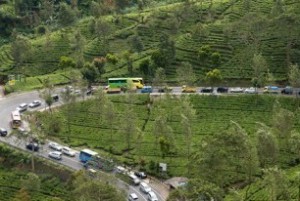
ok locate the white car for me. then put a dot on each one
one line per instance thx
(152, 196)
(55, 155)
(22, 107)
(35, 103)
(236, 90)
(133, 197)
(250, 90)
(145, 188)
(67, 151)
(55, 146)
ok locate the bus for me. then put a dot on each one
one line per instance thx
(133, 83)
(86, 154)
(16, 121)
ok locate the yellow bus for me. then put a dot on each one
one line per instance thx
(129, 83)
(16, 121)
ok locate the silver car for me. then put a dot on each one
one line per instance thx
(55, 155)
(22, 107)
(67, 151)
(55, 146)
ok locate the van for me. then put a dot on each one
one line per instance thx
(120, 169)
(145, 188)
(134, 179)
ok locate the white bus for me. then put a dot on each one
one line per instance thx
(16, 121)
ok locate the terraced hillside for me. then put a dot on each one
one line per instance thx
(229, 28)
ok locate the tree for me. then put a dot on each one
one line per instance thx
(276, 184)
(259, 66)
(188, 115)
(215, 160)
(294, 77)
(78, 43)
(21, 51)
(166, 53)
(136, 43)
(287, 21)
(89, 73)
(146, 69)
(31, 182)
(282, 124)
(128, 127)
(98, 191)
(110, 115)
(159, 78)
(99, 63)
(294, 143)
(47, 92)
(186, 74)
(68, 98)
(267, 146)
(22, 195)
(66, 62)
(129, 61)
(66, 15)
(213, 77)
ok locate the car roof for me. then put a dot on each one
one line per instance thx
(23, 104)
(133, 195)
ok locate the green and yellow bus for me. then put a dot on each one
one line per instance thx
(127, 83)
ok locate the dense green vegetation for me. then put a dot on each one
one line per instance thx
(207, 34)
(48, 182)
(124, 128)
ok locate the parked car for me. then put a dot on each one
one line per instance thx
(187, 89)
(55, 146)
(35, 103)
(165, 90)
(3, 132)
(32, 146)
(152, 196)
(22, 107)
(67, 151)
(207, 90)
(141, 175)
(250, 90)
(236, 90)
(22, 130)
(55, 155)
(134, 179)
(222, 90)
(132, 197)
(146, 89)
(145, 188)
(271, 90)
(287, 90)
(55, 97)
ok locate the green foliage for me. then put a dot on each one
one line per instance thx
(66, 62)
(112, 58)
(213, 77)
(66, 16)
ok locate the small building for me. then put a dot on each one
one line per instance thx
(176, 182)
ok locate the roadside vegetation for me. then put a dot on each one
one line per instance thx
(19, 183)
(231, 142)
(130, 38)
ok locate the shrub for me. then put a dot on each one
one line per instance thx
(41, 29)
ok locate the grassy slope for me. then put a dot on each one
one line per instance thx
(46, 55)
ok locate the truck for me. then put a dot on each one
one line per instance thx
(188, 89)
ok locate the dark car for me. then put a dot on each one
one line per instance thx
(287, 90)
(222, 90)
(32, 146)
(207, 90)
(3, 132)
(55, 97)
(141, 175)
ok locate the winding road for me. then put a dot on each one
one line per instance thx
(9, 104)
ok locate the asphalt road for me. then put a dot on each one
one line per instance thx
(9, 104)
